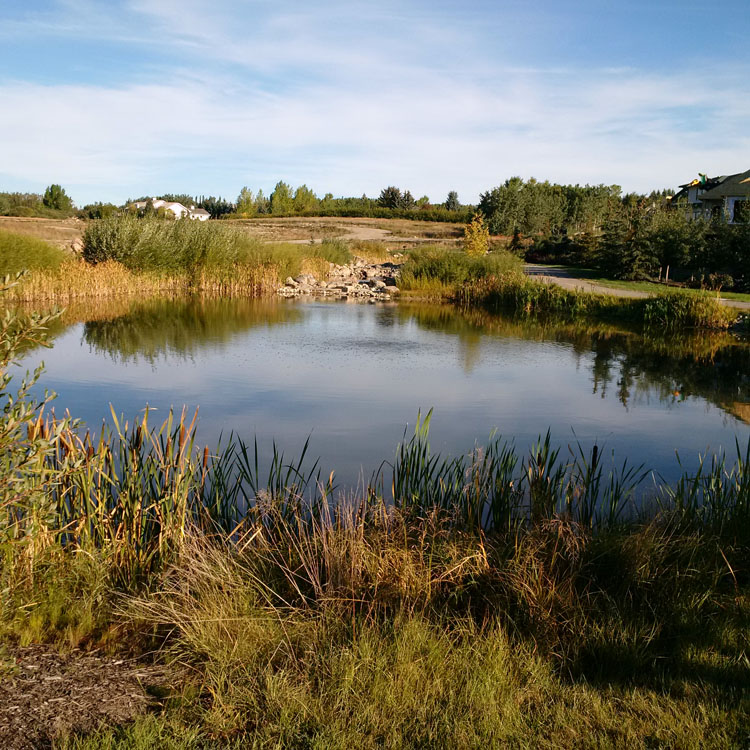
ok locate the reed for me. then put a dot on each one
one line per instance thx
(668, 311)
(441, 270)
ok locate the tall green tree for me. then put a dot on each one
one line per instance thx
(282, 201)
(56, 198)
(246, 203)
(305, 200)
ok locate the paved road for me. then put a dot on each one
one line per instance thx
(562, 278)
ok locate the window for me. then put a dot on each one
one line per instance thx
(741, 213)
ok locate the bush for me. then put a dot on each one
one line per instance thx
(476, 237)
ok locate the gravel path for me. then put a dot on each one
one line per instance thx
(562, 278)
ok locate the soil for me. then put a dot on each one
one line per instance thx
(45, 694)
(397, 231)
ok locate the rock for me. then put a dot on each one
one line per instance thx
(290, 281)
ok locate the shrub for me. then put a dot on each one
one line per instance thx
(476, 237)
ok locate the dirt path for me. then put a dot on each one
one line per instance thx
(562, 278)
(363, 233)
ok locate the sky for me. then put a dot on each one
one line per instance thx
(122, 98)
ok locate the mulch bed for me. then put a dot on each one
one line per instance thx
(44, 694)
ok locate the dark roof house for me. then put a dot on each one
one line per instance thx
(709, 197)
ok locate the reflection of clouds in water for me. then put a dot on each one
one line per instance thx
(354, 376)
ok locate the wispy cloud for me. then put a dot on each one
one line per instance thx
(348, 101)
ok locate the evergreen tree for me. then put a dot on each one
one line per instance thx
(56, 198)
(451, 202)
(390, 197)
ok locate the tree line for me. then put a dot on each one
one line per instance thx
(53, 203)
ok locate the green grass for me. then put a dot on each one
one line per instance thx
(194, 247)
(459, 601)
(667, 311)
(19, 252)
(640, 286)
(440, 271)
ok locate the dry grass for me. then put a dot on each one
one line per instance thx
(78, 280)
(60, 232)
(348, 228)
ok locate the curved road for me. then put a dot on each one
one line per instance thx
(562, 278)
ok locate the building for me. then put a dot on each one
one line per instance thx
(716, 197)
(176, 209)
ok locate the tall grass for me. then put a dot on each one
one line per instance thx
(195, 247)
(19, 252)
(137, 488)
(440, 271)
(671, 311)
(124, 256)
(487, 597)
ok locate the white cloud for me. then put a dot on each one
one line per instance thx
(342, 106)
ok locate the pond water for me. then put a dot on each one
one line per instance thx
(355, 376)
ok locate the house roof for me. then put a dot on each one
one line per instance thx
(733, 185)
(199, 212)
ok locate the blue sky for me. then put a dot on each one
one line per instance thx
(129, 97)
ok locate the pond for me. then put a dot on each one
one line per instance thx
(354, 377)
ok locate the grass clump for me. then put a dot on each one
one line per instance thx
(19, 252)
(670, 310)
(439, 271)
(165, 246)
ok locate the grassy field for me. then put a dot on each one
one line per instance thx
(298, 228)
(59, 232)
(487, 600)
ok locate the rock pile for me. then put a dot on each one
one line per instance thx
(358, 279)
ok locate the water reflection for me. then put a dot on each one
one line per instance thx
(714, 366)
(711, 365)
(180, 327)
(353, 375)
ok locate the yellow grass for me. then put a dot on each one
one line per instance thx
(76, 280)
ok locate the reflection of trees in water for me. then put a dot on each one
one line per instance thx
(181, 326)
(714, 366)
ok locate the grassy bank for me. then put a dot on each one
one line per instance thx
(20, 252)
(439, 272)
(669, 310)
(493, 598)
(124, 256)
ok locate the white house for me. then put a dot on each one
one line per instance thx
(177, 209)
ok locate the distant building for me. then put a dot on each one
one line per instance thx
(715, 197)
(176, 209)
